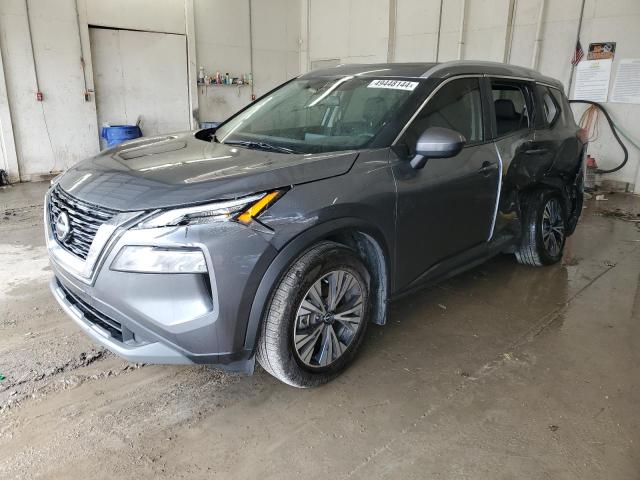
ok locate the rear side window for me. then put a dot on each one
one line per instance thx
(457, 106)
(566, 114)
(550, 106)
(510, 107)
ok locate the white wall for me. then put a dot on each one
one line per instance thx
(358, 31)
(276, 36)
(288, 36)
(153, 15)
(222, 44)
(223, 40)
(56, 133)
(355, 31)
(51, 136)
(140, 76)
(8, 156)
(416, 30)
(617, 21)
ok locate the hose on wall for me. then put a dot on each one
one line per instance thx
(614, 131)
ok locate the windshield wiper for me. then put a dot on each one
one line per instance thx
(260, 146)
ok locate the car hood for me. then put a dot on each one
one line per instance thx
(174, 170)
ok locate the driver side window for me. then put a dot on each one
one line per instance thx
(457, 106)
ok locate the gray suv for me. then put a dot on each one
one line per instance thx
(282, 233)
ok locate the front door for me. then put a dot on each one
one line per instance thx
(448, 206)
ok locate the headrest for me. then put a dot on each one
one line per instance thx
(505, 109)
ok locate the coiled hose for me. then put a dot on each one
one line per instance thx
(613, 130)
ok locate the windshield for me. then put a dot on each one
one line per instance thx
(318, 115)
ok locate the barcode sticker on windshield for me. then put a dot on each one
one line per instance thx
(395, 84)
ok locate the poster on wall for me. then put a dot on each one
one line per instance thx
(592, 80)
(626, 88)
(601, 51)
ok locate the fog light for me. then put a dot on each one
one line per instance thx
(145, 259)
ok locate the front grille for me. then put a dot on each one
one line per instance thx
(94, 316)
(84, 221)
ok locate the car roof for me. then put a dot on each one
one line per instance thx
(435, 70)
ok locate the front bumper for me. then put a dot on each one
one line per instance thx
(169, 318)
(139, 352)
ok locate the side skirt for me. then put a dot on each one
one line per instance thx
(501, 243)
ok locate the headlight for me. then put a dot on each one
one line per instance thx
(243, 210)
(144, 259)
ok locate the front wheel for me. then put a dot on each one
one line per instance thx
(317, 317)
(543, 229)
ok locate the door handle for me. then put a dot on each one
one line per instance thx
(486, 168)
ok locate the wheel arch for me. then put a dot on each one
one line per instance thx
(570, 193)
(363, 237)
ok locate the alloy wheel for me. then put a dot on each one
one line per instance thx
(328, 319)
(553, 227)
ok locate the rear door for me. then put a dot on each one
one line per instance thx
(448, 206)
(512, 113)
(555, 135)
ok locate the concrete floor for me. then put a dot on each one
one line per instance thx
(503, 372)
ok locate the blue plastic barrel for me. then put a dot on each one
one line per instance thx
(116, 134)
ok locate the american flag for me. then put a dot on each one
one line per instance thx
(578, 54)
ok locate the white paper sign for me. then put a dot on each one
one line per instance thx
(626, 88)
(394, 84)
(592, 80)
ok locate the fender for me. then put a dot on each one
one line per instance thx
(290, 252)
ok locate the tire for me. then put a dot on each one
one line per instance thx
(544, 227)
(286, 319)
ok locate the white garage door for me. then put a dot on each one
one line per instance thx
(140, 74)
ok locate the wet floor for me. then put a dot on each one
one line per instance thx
(505, 371)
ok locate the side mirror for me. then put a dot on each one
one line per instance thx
(437, 142)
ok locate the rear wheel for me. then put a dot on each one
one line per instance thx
(317, 317)
(543, 229)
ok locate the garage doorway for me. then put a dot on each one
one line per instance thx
(140, 75)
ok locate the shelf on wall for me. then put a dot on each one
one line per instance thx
(223, 85)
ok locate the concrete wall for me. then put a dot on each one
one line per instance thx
(152, 15)
(288, 37)
(355, 31)
(56, 133)
(223, 37)
(222, 44)
(358, 31)
(39, 138)
(52, 135)
(617, 21)
(276, 47)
